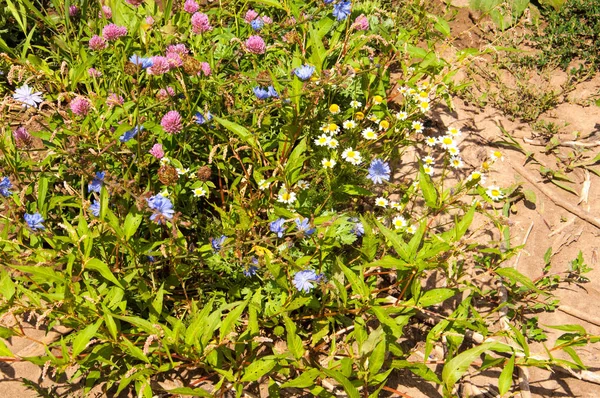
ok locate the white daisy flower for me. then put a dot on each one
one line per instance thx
(494, 193)
(430, 141)
(401, 115)
(324, 128)
(456, 162)
(429, 160)
(322, 140)
(263, 184)
(351, 156)
(328, 163)
(403, 89)
(454, 132)
(412, 229)
(333, 143)
(453, 150)
(428, 169)
(497, 155)
(381, 202)
(355, 104)
(424, 106)
(422, 96)
(417, 126)
(349, 124)
(333, 128)
(447, 141)
(395, 205)
(182, 171)
(399, 222)
(369, 134)
(199, 192)
(303, 184)
(164, 161)
(477, 176)
(27, 96)
(286, 197)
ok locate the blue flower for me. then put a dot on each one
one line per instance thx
(162, 207)
(95, 208)
(304, 280)
(5, 185)
(379, 171)
(251, 270)
(358, 229)
(342, 10)
(272, 92)
(96, 184)
(131, 133)
(217, 244)
(150, 259)
(34, 221)
(278, 227)
(201, 119)
(143, 62)
(257, 24)
(327, 1)
(304, 72)
(261, 93)
(304, 226)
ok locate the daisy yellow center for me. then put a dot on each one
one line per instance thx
(498, 154)
(351, 154)
(370, 134)
(334, 108)
(333, 127)
(359, 115)
(286, 196)
(384, 124)
(447, 141)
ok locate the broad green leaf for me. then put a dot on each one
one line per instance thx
(7, 286)
(420, 369)
(194, 392)
(569, 328)
(305, 380)
(231, 318)
(353, 190)
(377, 357)
(389, 262)
(42, 192)
(4, 350)
(83, 338)
(41, 273)
(457, 366)
(340, 378)
(294, 342)
(238, 130)
(396, 240)
(429, 192)
(505, 379)
(99, 266)
(295, 162)
(515, 276)
(258, 369)
(356, 282)
(435, 296)
(132, 222)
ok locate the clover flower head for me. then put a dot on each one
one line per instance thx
(34, 221)
(113, 32)
(97, 43)
(73, 11)
(361, 23)
(190, 6)
(27, 96)
(171, 122)
(256, 45)
(305, 280)
(160, 66)
(157, 151)
(93, 72)
(162, 208)
(304, 72)
(80, 106)
(105, 12)
(205, 69)
(379, 171)
(21, 136)
(250, 16)
(278, 227)
(149, 20)
(200, 23)
(5, 187)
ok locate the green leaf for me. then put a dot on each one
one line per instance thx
(420, 369)
(83, 338)
(132, 222)
(340, 378)
(353, 190)
(231, 318)
(41, 273)
(515, 276)
(305, 380)
(396, 240)
(569, 328)
(357, 283)
(7, 286)
(294, 341)
(389, 262)
(4, 350)
(110, 323)
(505, 380)
(429, 192)
(295, 162)
(238, 130)
(457, 366)
(377, 357)
(258, 369)
(42, 192)
(435, 296)
(99, 266)
(194, 392)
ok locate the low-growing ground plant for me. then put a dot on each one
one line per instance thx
(246, 190)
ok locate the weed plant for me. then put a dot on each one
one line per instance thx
(242, 189)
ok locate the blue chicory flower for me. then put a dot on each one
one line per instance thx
(328, 1)
(304, 226)
(305, 280)
(34, 221)
(257, 24)
(304, 72)
(131, 133)
(278, 227)
(272, 92)
(379, 171)
(251, 270)
(342, 10)
(143, 62)
(5, 185)
(96, 184)
(358, 229)
(162, 207)
(95, 208)
(217, 244)
(261, 93)
(150, 259)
